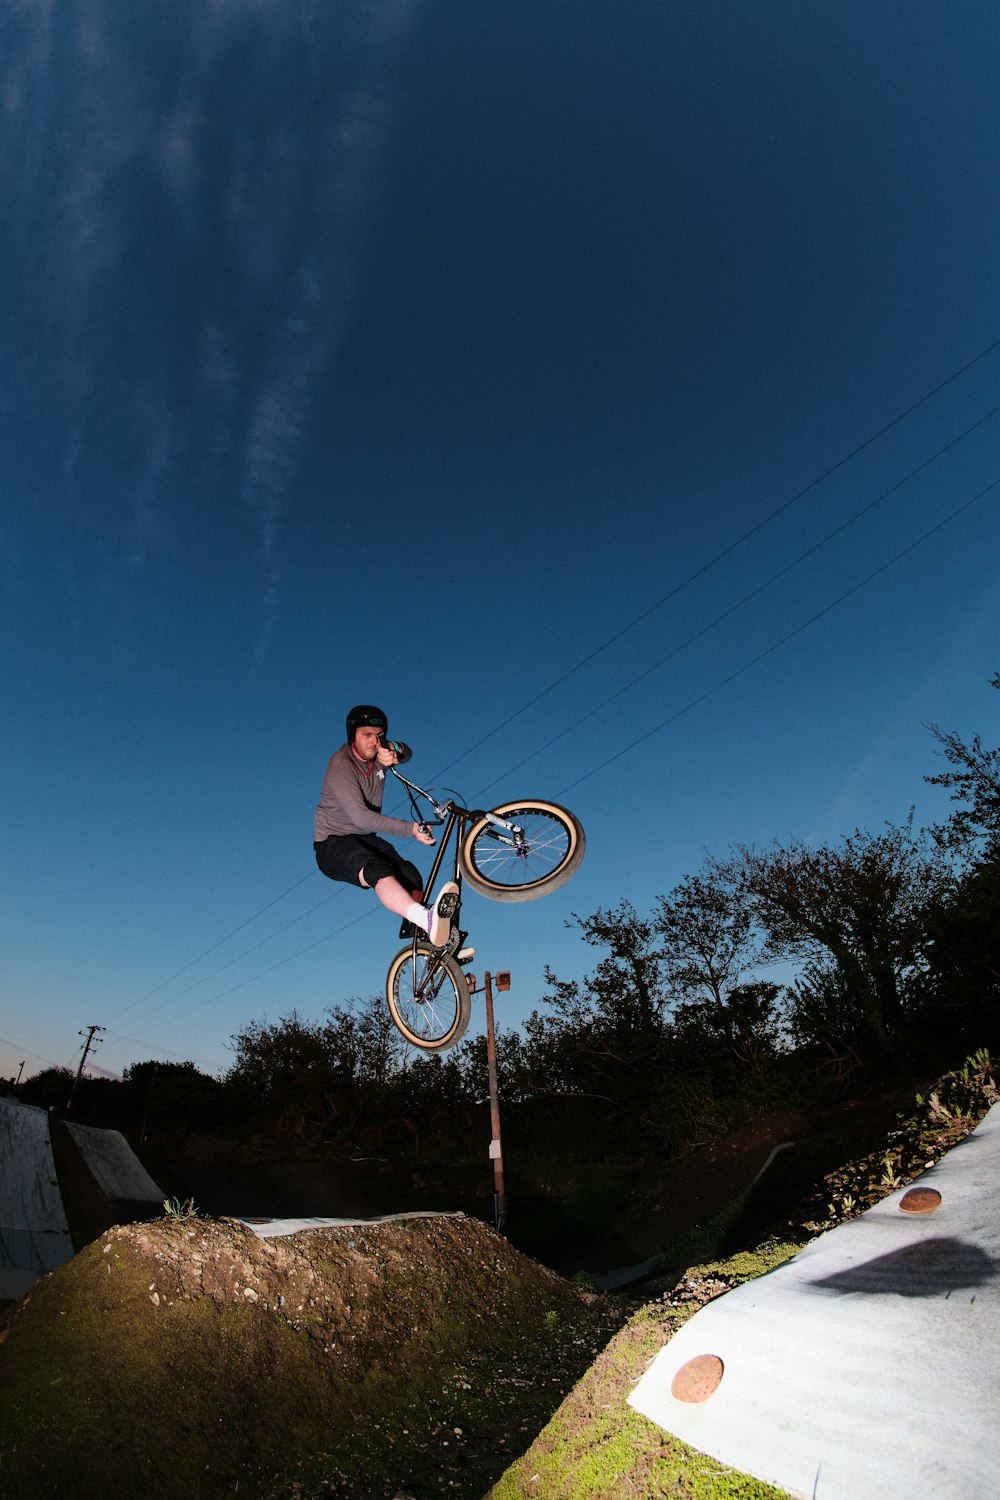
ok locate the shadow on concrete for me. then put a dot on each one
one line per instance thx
(932, 1268)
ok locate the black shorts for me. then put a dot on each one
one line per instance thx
(344, 856)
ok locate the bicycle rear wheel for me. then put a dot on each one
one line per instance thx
(508, 868)
(431, 1015)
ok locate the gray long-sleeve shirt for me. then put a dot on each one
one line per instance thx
(351, 799)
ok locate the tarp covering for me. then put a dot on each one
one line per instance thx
(868, 1366)
(34, 1234)
(271, 1228)
(114, 1165)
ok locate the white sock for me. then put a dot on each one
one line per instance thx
(419, 916)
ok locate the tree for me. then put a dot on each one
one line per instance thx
(708, 943)
(864, 906)
(174, 1096)
(626, 988)
(596, 1047)
(965, 935)
(823, 1013)
(750, 1022)
(47, 1089)
(293, 1071)
(362, 1037)
(974, 783)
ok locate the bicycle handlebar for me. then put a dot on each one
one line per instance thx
(442, 809)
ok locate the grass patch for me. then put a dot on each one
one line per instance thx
(597, 1446)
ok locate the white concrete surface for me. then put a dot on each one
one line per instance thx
(114, 1165)
(34, 1234)
(868, 1367)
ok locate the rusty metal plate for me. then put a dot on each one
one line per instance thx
(920, 1201)
(698, 1379)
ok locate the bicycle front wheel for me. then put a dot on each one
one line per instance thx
(537, 859)
(428, 997)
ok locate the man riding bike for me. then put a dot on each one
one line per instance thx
(349, 829)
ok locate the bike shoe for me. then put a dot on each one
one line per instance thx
(441, 913)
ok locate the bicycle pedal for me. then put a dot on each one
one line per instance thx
(448, 904)
(465, 955)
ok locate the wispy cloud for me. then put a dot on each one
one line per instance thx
(193, 261)
(345, 186)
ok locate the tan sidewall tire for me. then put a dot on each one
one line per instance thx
(463, 1006)
(546, 883)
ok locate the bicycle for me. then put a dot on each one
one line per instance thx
(515, 852)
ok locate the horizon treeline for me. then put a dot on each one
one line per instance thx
(887, 945)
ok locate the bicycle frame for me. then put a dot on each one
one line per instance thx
(452, 816)
(451, 812)
(428, 995)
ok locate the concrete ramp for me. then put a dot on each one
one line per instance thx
(868, 1366)
(34, 1234)
(114, 1166)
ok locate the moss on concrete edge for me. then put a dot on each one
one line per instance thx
(596, 1445)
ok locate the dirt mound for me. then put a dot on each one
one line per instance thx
(191, 1356)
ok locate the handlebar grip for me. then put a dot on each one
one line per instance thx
(403, 751)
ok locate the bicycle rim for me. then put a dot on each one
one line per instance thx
(432, 1015)
(551, 849)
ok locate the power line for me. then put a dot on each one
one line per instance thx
(19, 1047)
(726, 551)
(784, 639)
(884, 567)
(172, 999)
(754, 593)
(164, 982)
(184, 1057)
(616, 636)
(264, 972)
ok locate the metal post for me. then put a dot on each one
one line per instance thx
(149, 1095)
(496, 1150)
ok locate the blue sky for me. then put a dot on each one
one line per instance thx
(458, 358)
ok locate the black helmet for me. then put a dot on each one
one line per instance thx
(364, 716)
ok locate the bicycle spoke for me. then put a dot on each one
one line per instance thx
(428, 999)
(549, 850)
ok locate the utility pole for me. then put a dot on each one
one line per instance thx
(496, 1149)
(88, 1043)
